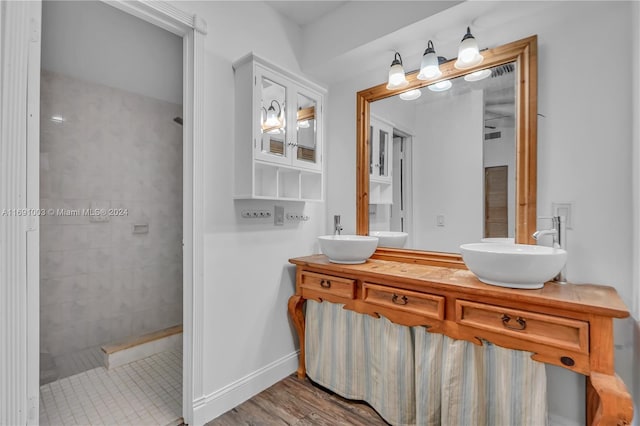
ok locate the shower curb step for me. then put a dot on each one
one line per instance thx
(137, 348)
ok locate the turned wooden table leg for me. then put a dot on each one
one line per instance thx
(608, 401)
(297, 316)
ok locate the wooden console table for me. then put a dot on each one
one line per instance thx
(568, 325)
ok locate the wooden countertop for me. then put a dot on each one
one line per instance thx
(583, 298)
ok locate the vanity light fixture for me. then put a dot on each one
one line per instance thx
(478, 75)
(397, 79)
(410, 95)
(430, 66)
(440, 86)
(468, 53)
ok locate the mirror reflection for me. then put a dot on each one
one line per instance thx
(288, 130)
(442, 161)
(274, 130)
(306, 128)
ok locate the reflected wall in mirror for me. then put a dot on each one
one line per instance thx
(461, 163)
(306, 128)
(451, 162)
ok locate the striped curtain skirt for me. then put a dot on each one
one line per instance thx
(413, 377)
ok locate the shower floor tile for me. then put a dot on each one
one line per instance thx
(77, 362)
(144, 392)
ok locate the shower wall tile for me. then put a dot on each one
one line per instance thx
(99, 281)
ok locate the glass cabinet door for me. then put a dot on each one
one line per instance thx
(273, 121)
(306, 148)
(306, 135)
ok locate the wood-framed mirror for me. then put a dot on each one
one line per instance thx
(520, 57)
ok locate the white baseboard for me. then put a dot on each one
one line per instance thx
(219, 402)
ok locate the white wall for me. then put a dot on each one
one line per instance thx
(587, 129)
(248, 340)
(372, 19)
(79, 40)
(448, 173)
(584, 147)
(401, 114)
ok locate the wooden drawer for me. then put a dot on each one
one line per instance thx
(539, 328)
(328, 284)
(423, 304)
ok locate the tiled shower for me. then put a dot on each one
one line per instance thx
(104, 278)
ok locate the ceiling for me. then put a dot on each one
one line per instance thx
(305, 12)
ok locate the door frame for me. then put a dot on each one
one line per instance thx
(193, 30)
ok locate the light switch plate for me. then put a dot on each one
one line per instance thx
(563, 209)
(278, 215)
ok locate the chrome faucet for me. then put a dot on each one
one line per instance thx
(558, 231)
(336, 225)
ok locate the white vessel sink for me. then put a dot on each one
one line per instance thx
(498, 240)
(350, 249)
(390, 238)
(513, 265)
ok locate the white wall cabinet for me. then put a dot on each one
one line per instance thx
(380, 162)
(279, 127)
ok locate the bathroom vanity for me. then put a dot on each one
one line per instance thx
(569, 325)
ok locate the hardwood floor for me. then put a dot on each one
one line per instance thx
(299, 402)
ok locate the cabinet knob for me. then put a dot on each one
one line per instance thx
(325, 283)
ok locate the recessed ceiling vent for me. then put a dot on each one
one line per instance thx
(502, 70)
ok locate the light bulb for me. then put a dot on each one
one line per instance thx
(440, 86)
(272, 117)
(429, 67)
(468, 53)
(410, 95)
(397, 79)
(478, 75)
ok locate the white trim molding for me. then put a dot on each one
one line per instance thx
(210, 406)
(19, 35)
(161, 14)
(19, 189)
(193, 29)
(635, 162)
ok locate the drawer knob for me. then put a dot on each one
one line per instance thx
(521, 323)
(569, 362)
(399, 300)
(325, 283)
